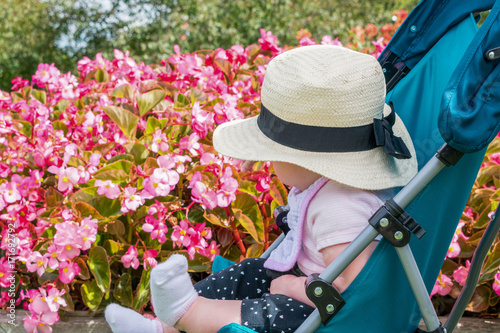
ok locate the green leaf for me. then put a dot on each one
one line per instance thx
(84, 270)
(494, 146)
(181, 100)
(92, 295)
(149, 100)
(152, 125)
(278, 191)
(124, 91)
(122, 165)
(493, 261)
(123, 290)
(485, 175)
(99, 266)
(119, 157)
(84, 195)
(142, 291)
(247, 212)
(225, 66)
(104, 148)
(59, 125)
(215, 220)
(112, 247)
(40, 95)
(53, 197)
(125, 120)
(138, 151)
(113, 175)
(23, 127)
(106, 207)
(480, 299)
(87, 210)
(101, 76)
(255, 250)
(116, 228)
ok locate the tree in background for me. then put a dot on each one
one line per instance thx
(63, 31)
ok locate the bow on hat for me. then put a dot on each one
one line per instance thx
(384, 136)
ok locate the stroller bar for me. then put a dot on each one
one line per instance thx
(418, 287)
(403, 198)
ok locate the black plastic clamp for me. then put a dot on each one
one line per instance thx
(449, 155)
(395, 225)
(280, 216)
(440, 329)
(324, 295)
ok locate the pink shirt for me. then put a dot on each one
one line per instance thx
(336, 215)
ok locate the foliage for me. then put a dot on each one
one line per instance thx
(64, 31)
(481, 206)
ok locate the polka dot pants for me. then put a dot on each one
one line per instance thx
(261, 311)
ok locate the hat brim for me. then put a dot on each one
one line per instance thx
(372, 169)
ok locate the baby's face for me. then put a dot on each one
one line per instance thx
(294, 175)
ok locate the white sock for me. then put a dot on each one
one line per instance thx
(124, 320)
(172, 291)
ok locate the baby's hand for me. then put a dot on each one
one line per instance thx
(247, 166)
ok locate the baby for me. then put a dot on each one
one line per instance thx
(330, 136)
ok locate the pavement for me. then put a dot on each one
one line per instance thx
(84, 324)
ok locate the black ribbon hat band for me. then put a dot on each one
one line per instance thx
(334, 139)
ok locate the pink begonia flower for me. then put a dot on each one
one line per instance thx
(201, 121)
(305, 41)
(327, 40)
(67, 177)
(379, 46)
(67, 214)
(157, 228)
(201, 194)
(269, 42)
(202, 234)
(107, 188)
(212, 251)
(263, 183)
(52, 256)
(155, 186)
(68, 271)
(165, 172)
(5, 273)
(182, 233)
(45, 73)
(460, 274)
(160, 142)
(87, 233)
(54, 298)
(132, 201)
(18, 83)
(442, 286)
(4, 170)
(9, 192)
(149, 258)
(191, 144)
(453, 250)
(209, 159)
(226, 194)
(34, 323)
(36, 263)
(95, 159)
(129, 259)
(180, 162)
(496, 283)
(459, 232)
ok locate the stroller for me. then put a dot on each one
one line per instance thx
(443, 78)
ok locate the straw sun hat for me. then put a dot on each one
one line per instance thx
(323, 108)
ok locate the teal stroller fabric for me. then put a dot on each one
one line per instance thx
(380, 298)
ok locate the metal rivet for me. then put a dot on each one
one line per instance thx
(384, 70)
(491, 55)
(398, 235)
(413, 28)
(384, 222)
(284, 220)
(318, 291)
(330, 308)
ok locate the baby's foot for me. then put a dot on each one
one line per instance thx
(124, 320)
(171, 289)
